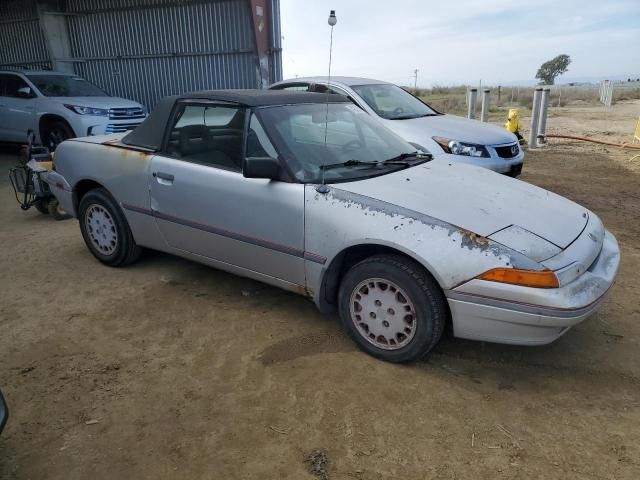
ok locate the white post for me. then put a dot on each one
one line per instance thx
(473, 96)
(535, 118)
(485, 105)
(610, 95)
(542, 123)
(559, 95)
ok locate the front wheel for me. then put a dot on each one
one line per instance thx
(392, 308)
(55, 133)
(105, 229)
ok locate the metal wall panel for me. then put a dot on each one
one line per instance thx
(275, 60)
(146, 50)
(22, 42)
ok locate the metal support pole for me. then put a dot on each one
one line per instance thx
(485, 105)
(473, 97)
(535, 118)
(544, 106)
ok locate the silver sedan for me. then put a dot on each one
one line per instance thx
(447, 137)
(309, 193)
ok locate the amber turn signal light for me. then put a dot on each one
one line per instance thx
(525, 278)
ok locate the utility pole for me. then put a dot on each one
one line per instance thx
(415, 80)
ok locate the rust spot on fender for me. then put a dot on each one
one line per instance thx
(472, 240)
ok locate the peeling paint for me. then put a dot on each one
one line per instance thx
(466, 238)
(472, 240)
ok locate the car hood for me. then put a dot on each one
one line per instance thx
(97, 102)
(452, 127)
(476, 199)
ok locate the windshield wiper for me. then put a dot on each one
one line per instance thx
(398, 160)
(403, 156)
(410, 117)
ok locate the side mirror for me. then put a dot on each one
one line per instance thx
(261, 167)
(25, 92)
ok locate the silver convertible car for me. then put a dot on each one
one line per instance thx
(307, 192)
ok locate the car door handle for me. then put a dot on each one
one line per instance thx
(164, 176)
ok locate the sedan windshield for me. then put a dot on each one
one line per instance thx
(65, 86)
(392, 102)
(350, 142)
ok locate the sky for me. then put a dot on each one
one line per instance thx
(461, 42)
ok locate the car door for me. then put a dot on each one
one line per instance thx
(204, 205)
(17, 109)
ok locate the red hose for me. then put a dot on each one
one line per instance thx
(601, 142)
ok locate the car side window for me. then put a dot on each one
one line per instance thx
(12, 83)
(208, 134)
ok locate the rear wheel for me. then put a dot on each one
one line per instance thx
(392, 307)
(105, 229)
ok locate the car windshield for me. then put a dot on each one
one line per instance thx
(392, 102)
(351, 135)
(65, 86)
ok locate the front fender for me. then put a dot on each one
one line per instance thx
(338, 220)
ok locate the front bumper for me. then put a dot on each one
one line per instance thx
(489, 311)
(508, 166)
(87, 125)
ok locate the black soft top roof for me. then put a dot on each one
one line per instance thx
(150, 133)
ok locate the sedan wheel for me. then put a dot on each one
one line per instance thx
(392, 308)
(105, 229)
(383, 313)
(101, 228)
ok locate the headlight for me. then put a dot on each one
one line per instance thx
(98, 112)
(457, 147)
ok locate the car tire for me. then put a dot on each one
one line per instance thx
(56, 211)
(105, 229)
(392, 308)
(55, 132)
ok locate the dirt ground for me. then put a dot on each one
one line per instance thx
(169, 369)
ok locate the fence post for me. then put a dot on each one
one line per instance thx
(485, 105)
(544, 106)
(473, 96)
(535, 117)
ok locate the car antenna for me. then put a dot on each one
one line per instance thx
(322, 188)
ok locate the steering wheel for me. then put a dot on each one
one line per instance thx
(351, 144)
(398, 111)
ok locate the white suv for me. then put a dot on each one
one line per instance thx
(57, 106)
